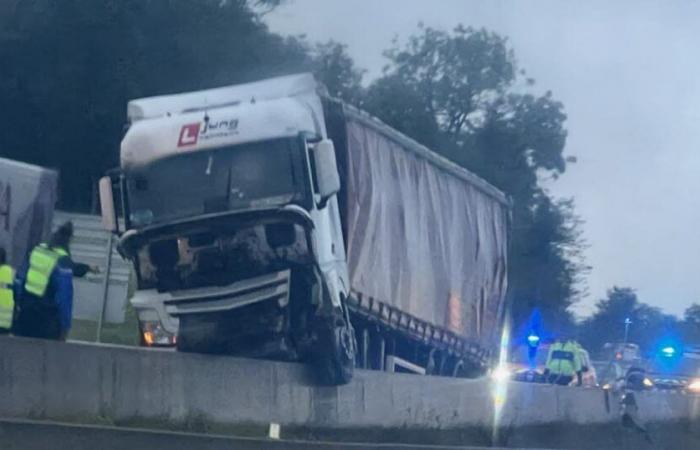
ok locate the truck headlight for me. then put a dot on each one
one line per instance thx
(154, 334)
(648, 383)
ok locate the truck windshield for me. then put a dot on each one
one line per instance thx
(255, 175)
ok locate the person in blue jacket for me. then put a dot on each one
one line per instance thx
(46, 289)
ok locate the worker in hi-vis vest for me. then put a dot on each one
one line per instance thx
(564, 362)
(7, 294)
(46, 301)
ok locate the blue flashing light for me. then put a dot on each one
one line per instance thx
(668, 352)
(533, 340)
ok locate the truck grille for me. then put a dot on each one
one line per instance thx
(273, 286)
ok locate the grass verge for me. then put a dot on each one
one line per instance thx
(126, 333)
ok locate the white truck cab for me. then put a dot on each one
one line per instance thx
(228, 197)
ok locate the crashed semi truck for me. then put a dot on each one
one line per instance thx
(270, 220)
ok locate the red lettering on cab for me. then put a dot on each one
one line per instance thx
(188, 134)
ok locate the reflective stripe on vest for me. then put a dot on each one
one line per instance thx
(42, 261)
(7, 297)
(561, 354)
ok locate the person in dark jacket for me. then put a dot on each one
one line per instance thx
(46, 297)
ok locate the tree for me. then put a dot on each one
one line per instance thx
(404, 108)
(460, 94)
(454, 73)
(691, 315)
(334, 68)
(69, 69)
(547, 263)
(691, 324)
(607, 324)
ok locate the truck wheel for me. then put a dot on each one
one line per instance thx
(335, 360)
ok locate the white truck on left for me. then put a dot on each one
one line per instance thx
(27, 199)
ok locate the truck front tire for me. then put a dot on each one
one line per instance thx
(335, 358)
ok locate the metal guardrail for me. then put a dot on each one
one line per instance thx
(89, 246)
(392, 317)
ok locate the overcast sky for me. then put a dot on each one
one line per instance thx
(628, 75)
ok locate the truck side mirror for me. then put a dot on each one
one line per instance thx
(326, 170)
(109, 216)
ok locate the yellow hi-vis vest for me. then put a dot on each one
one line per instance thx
(42, 261)
(564, 358)
(7, 296)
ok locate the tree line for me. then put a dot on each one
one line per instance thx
(69, 68)
(649, 327)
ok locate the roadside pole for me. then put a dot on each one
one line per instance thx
(628, 322)
(105, 286)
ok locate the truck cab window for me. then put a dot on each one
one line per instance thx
(258, 175)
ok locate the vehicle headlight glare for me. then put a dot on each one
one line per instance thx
(694, 386)
(501, 373)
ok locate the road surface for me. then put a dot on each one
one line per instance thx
(39, 435)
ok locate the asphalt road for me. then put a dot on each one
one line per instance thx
(39, 435)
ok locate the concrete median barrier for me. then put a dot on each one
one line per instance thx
(79, 382)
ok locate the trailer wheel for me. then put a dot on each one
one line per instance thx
(335, 358)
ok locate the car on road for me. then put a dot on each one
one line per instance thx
(622, 352)
(679, 373)
(521, 369)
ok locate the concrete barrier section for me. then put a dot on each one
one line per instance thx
(52, 380)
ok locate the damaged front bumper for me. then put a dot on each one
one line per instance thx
(272, 286)
(160, 313)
